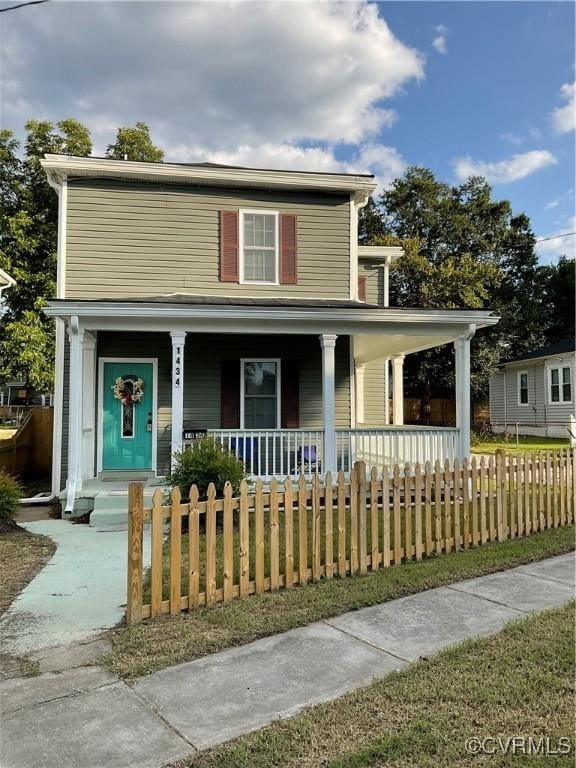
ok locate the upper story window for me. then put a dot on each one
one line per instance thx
(259, 247)
(560, 384)
(523, 388)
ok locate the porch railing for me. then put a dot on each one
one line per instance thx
(395, 445)
(281, 452)
(275, 452)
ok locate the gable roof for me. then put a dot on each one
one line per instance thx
(556, 348)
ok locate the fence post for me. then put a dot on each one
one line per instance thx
(135, 543)
(360, 471)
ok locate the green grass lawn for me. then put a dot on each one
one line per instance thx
(151, 645)
(526, 443)
(518, 682)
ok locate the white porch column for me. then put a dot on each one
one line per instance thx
(74, 480)
(397, 390)
(462, 365)
(359, 372)
(328, 343)
(178, 342)
(387, 391)
(88, 405)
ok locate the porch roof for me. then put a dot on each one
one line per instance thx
(378, 332)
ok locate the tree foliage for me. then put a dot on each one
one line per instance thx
(463, 249)
(28, 238)
(135, 144)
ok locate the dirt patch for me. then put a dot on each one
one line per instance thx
(22, 555)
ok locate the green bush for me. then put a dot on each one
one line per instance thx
(10, 495)
(203, 463)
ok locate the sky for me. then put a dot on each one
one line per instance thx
(462, 88)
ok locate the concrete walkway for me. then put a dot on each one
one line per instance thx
(80, 591)
(84, 717)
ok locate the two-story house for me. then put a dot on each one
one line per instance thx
(236, 301)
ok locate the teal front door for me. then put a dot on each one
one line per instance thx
(127, 415)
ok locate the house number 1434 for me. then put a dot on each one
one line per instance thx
(177, 367)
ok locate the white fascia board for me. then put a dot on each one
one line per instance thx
(6, 280)
(62, 165)
(387, 253)
(230, 319)
(529, 360)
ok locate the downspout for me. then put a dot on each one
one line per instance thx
(357, 201)
(60, 184)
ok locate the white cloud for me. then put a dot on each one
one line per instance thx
(439, 41)
(552, 204)
(517, 139)
(561, 242)
(213, 75)
(564, 118)
(503, 172)
(384, 162)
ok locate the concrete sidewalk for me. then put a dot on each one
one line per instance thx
(85, 717)
(79, 592)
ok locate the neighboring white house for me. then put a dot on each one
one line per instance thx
(5, 281)
(534, 393)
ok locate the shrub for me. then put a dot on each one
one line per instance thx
(10, 495)
(203, 463)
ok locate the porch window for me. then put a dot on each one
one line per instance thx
(523, 388)
(259, 247)
(561, 385)
(260, 394)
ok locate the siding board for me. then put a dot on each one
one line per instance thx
(126, 239)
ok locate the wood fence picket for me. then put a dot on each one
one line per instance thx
(247, 544)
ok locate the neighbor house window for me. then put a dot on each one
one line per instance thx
(523, 388)
(260, 396)
(560, 385)
(259, 247)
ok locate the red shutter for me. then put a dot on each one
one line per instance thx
(230, 394)
(288, 249)
(290, 395)
(362, 288)
(229, 246)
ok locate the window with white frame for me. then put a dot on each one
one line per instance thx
(560, 384)
(260, 395)
(259, 247)
(522, 387)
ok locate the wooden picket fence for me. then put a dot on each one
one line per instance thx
(281, 535)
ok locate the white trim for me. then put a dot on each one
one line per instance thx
(328, 346)
(360, 371)
(278, 362)
(351, 367)
(369, 320)
(398, 390)
(100, 442)
(381, 253)
(58, 406)
(258, 212)
(519, 388)
(560, 368)
(58, 165)
(178, 340)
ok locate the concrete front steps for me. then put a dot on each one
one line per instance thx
(106, 499)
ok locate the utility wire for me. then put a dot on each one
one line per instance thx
(555, 237)
(22, 5)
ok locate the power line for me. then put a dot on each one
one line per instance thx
(555, 237)
(22, 5)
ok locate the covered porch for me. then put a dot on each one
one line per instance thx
(343, 339)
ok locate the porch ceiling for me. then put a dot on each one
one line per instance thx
(406, 330)
(368, 349)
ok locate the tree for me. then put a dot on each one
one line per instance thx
(463, 249)
(29, 219)
(559, 299)
(135, 144)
